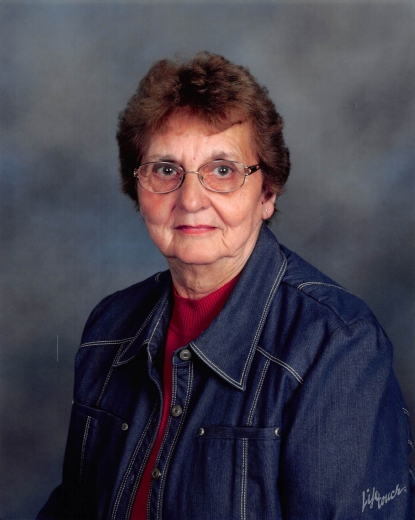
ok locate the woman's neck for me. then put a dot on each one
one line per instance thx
(197, 281)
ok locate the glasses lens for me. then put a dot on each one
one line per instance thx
(159, 177)
(223, 176)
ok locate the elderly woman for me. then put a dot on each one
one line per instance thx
(242, 383)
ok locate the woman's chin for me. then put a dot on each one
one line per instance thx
(194, 256)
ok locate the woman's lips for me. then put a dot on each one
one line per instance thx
(195, 230)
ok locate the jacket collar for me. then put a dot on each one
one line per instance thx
(239, 323)
(228, 344)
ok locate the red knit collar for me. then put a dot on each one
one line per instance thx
(191, 317)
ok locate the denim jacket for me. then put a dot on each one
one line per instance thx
(285, 407)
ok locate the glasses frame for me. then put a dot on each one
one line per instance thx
(249, 170)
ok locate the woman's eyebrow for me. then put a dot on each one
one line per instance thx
(220, 154)
(214, 156)
(161, 158)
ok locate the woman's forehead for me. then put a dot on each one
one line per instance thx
(183, 131)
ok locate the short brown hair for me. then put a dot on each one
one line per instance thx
(214, 90)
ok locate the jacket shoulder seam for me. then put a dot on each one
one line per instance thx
(101, 343)
(304, 284)
(329, 307)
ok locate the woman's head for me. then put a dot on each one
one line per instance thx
(214, 91)
(193, 225)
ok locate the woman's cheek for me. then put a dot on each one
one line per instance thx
(154, 208)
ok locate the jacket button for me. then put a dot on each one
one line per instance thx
(176, 410)
(124, 426)
(155, 474)
(201, 431)
(277, 432)
(185, 354)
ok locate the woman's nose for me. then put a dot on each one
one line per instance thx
(192, 195)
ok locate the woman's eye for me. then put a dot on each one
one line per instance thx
(222, 170)
(165, 170)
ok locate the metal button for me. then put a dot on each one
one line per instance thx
(277, 432)
(201, 431)
(185, 354)
(176, 410)
(124, 426)
(155, 474)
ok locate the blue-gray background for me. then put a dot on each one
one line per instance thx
(342, 75)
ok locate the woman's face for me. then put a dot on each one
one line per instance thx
(193, 225)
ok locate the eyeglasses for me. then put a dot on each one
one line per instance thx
(220, 176)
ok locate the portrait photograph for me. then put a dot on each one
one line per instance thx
(207, 259)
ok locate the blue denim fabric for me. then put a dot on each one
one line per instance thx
(290, 408)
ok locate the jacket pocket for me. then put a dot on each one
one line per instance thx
(239, 432)
(235, 471)
(99, 415)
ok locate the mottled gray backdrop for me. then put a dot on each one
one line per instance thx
(342, 75)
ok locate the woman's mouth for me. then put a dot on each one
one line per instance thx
(195, 230)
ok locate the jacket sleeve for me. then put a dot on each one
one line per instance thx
(55, 508)
(346, 436)
(64, 501)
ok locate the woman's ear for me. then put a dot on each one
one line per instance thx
(268, 207)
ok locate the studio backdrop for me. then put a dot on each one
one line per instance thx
(342, 75)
